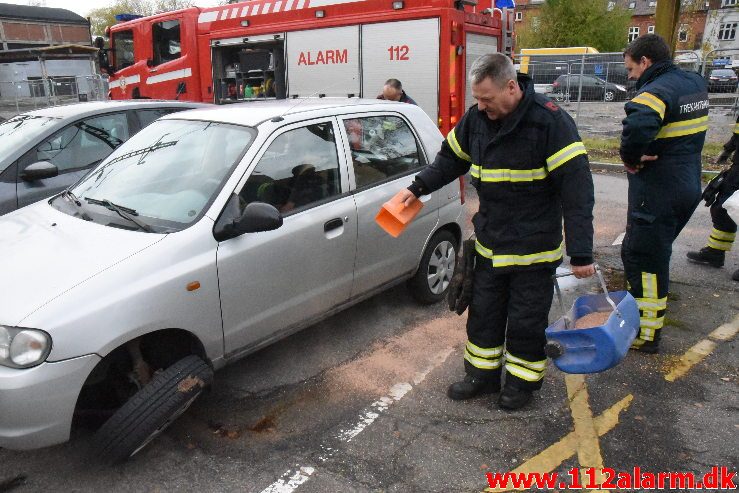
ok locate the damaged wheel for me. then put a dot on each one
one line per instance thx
(151, 410)
(439, 260)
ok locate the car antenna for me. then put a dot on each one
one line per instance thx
(320, 93)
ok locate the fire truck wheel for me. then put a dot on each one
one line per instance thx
(151, 410)
(431, 281)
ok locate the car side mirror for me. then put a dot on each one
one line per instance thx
(257, 217)
(39, 171)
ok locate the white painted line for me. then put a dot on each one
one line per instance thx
(293, 478)
(290, 481)
(619, 239)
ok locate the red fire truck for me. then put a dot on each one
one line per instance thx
(298, 48)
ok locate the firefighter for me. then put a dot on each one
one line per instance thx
(661, 143)
(724, 229)
(393, 91)
(530, 169)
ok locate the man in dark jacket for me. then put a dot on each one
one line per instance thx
(393, 91)
(661, 143)
(724, 229)
(530, 168)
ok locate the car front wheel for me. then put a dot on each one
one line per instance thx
(151, 410)
(431, 282)
(610, 96)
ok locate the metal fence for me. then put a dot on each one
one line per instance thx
(19, 96)
(601, 77)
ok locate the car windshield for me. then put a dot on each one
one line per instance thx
(166, 175)
(724, 72)
(21, 129)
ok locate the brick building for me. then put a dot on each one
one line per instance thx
(22, 26)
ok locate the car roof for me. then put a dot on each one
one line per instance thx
(253, 113)
(94, 107)
(722, 70)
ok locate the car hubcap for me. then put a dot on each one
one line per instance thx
(609, 96)
(441, 267)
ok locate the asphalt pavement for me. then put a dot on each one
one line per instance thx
(357, 403)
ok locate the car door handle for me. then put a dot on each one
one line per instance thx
(332, 224)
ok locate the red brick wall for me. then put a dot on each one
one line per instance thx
(17, 31)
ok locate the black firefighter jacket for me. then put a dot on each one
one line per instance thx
(529, 174)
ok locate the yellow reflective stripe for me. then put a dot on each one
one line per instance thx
(451, 138)
(652, 322)
(687, 127)
(481, 363)
(652, 304)
(475, 171)
(565, 154)
(736, 128)
(523, 373)
(652, 101)
(510, 260)
(649, 285)
(485, 353)
(722, 235)
(532, 365)
(512, 175)
(647, 335)
(533, 258)
(719, 245)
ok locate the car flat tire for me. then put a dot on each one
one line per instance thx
(431, 282)
(151, 410)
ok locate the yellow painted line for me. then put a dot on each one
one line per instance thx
(703, 348)
(726, 331)
(588, 447)
(553, 456)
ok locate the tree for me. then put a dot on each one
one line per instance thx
(102, 17)
(598, 23)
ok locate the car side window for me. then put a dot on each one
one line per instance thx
(300, 168)
(85, 142)
(381, 147)
(148, 116)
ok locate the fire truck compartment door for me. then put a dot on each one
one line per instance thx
(323, 61)
(407, 51)
(477, 45)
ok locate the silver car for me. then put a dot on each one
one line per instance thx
(208, 235)
(42, 152)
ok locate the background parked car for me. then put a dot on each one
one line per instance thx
(722, 80)
(593, 89)
(43, 152)
(208, 235)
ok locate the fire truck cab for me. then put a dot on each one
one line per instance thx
(302, 48)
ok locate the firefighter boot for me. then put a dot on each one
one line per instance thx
(472, 387)
(512, 398)
(709, 256)
(649, 347)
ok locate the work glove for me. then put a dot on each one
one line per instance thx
(460, 287)
(723, 157)
(713, 188)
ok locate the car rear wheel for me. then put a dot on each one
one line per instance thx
(431, 282)
(151, 410)
(610, 96)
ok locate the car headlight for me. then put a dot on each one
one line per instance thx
(620, 87)
(23, 348)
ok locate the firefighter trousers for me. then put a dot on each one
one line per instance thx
(657, 212)
(505, 326)
(724, 229)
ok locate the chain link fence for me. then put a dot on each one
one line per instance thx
(20, 96)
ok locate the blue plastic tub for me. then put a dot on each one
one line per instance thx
(593, 349)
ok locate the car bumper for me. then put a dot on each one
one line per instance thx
(37, 404)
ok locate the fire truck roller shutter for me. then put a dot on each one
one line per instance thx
(477, 45)
(323, 61)
(407, 51)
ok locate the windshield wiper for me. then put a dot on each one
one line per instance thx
(67, 194)
(125, 212)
